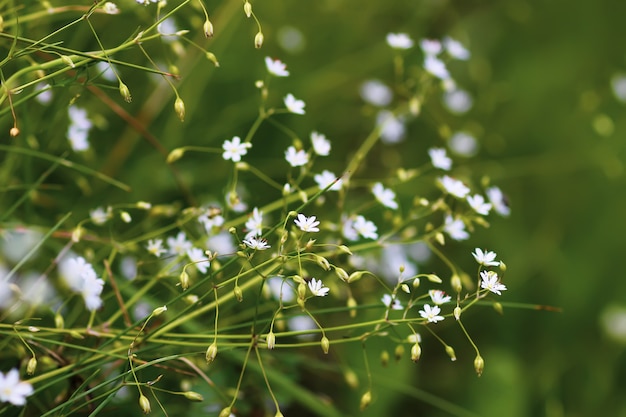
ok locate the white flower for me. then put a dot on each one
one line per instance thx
(78, 131)
(12, 390)
(439, 158)
(439, 297)
(110, 8)
(436, 67)
(455, 228)
(73, 270)
(399, 41)
(456, 49)
(499, 201)
(44, 95)
(100, 216)
(307, 224)
(293, 104)
(486, 258)
(321, 145)
(326, 178)
(256, 244)
(376, 93)
(211, 222)
(197, 256)
(430, 47)
(477, 202)
(179, 245)
(276, 67)
(458, 101)
(454, 186)
(317, 288)
(254, 224)
(392, 127)
(221, 243)
(385, 196)
(146, 2)
(463, 144)
(390, 301)
(296, 158)
(491, 282)
(91, 290)
(155, 247)
(431, 313)
(365, 228)
(234, 149)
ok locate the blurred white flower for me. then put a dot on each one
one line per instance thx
(296, 158)
(430, 47)
(463, 144)
(326, 178)
(399, 41)
(321, 145)
(197, 256)
(458, 101)
(291, 39)
(439, 297)
(455, 228)
(618, 85)
(456, 49)
(439, 158)
(293, 104)
(105, 71)
(436, 67)
(477, 202)
(45, 93)
(179, 245)
(221, 243)
(499, 201)
(155, 247)
(254, 224)
(365, 228)
(99, 215)
(392, 127)
(276, 67)
(78, 130)
(385, 196)
(391, 302)
(280, 289)
(376, 93)
(12, 389)
(453, 186)
(234, 149)
(110, 8)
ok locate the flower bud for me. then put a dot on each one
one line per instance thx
(193, 396)
(278, 414)
(355, 276)
(414, 106)
(77, 233)
(416, 282)
(179, 107)
(32, 365)
(258, 40)
(352, 306)
(351, 378)
(211, 57)
(67, 61)
(502, 266)
(398, 353)
(247, 9)
(125, 216)
(325, 344)
(158, 311)
(434, 278)
(323, 262)
(184, 280)
(416, 352)
(59, 322)
(225, 412)
(125, 92)
(208, 29)
(384, 358)
(479, 364)
(301, 290)
(455, 282)
(366, 399)
(342, 274)
(211, 353)
(457, 312)
(175, 155)
(144, 403)
(271, 340)
(14, 132)
(405, 288)
(451, 353)
(238, 293)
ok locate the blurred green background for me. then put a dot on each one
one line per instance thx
(551, 136)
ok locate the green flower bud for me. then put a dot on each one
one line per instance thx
(366, 399)
(479, 364)
(225, 412)
(451, 353)
(193, 396)
(416, 352)
(238, 293)
(144, 403)
(258, 40)
(32, 365)
(211, 353)
(247, 9)
(125, 92)
(208, 29)
(325, 344)
(179, 107)
(271, 340)
(175, 155)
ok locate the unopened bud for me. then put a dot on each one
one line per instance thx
(225, 412)
(184, 280)
(125, 216)
(238, 293)
(175, 155)
(59, 322)
(14, 132)
(125, 92)
(440, 238)
(247, 9)
(451, 353)
(498, 307)
(434, 278)
(301, 290)
(258, 40)
(366, 399)
(457, 312)
(479, 364)
(325, 344)
(211, 353)
(399, 352)
(345, 249)
(67, 61)
(144, 403)
(32, 365)
(342, 274)
(384, 358)
(193, 396)
(271, 340)
(502, 266)
(323, 262)
(77, 234)
(159, 310)
(416, 352)
(416, 282)
(208, 29)
(405, 288)
(352, 306)
(211, 57)
(414, 106)
(455, 282)
(355, 276)
(179, 107)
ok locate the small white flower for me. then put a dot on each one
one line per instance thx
(179, 245)
(454, 186)
(393, 129)
(254, 224)
(234, 149)
(317, 288)
(430, 47)
(390, 301)
(73, 270)
(436, 67)
(78, 130)
(385, 196)
(296, 158)
(376, 93)
(211, 222)
(276, 67)
(477, 202)
(439, 158)
(12, 390)
(455, 228)
(491, 282)
(365, 228)
(99, 216)
(456, 49)
(499, 201)
(307, 224)
(110, 8)
(431, 313)
(463, 144)
(256, 244)
(199, 259)
(439, 297)
(486, 258)
(91, 290)
(293, 104)
(321, 145)
(458, 101)
(399, 41)
(326, 178)
(155, 247)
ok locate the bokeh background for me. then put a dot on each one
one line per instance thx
(551, 132)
